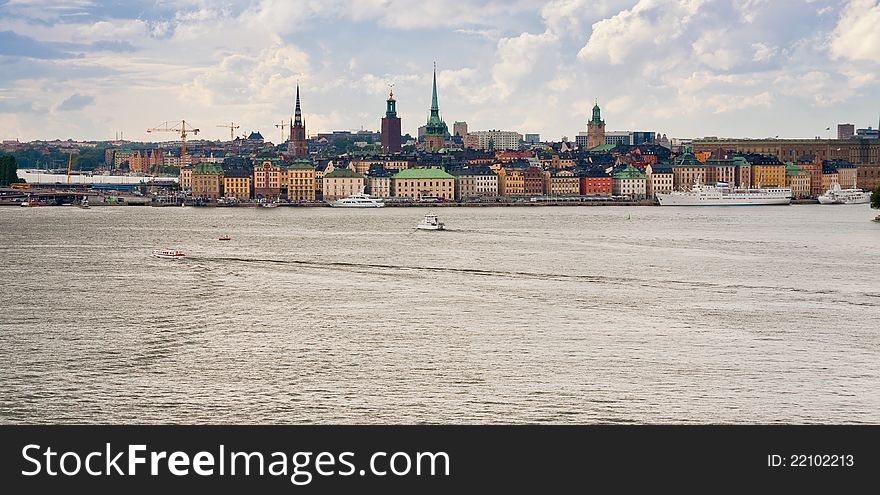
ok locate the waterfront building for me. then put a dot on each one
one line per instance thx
(379, 181)
(297, 143)
(267, 178)
(475, 182)
(659, 179)
(186, 178)
(797, 180)
(629, 182)
(510, 180)
(493, 139)
(391, 126)
(562, 182)
(767, 171)
(418, 183)
(845, 131)
(460, 129)
(207, 181)
(533, 181)
(846, 173)
(237, 183)
(301, 180)
(341, 183)
(743, 172)
(595, 129)
(687, 170)
(435, 128)
(813, 168)
(595, 183)
(721, 170)
(863, 153)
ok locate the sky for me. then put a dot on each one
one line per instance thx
(87, 69)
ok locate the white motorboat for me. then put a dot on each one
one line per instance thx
(431, 222)
(269, 205)
(84, 204)
(838, 196)
(168, 254)
(358, 200)
(722, 195)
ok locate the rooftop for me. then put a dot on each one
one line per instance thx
(422, 173)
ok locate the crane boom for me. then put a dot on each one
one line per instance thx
(232, 127)
(180, 127)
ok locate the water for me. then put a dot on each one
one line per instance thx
(516, 315)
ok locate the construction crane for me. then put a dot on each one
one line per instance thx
(69, 162)
(232, 127)
(181, 128)
(281, 126)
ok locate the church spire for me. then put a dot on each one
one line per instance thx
(297, 112)
(435, 108)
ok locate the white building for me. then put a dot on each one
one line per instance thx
(501, 140)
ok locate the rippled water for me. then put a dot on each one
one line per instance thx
(560, 315)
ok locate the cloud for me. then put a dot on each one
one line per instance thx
(76, 102)
(684, 67)
(857, 35)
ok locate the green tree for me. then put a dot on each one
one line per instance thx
(875, 198)
(8, 170)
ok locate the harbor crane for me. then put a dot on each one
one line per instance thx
(181, 128)
(232, 127)
(281, 126)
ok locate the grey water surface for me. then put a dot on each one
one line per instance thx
(514, 315)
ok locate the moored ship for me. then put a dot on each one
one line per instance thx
(838, 196)
(358, 200)
(722, 195)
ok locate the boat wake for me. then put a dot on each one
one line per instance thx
(689, 285)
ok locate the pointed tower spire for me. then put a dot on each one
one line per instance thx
(435, 108)
(297, 112)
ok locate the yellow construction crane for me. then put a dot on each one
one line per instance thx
(281, 126)
(69, 161)
(232, 127)
(181, 128)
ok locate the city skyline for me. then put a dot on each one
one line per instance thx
(87, 70)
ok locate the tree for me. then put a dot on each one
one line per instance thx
(875, 198)
(8, 170)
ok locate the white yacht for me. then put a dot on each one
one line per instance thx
(431, 222)
(358, 200)
(838, 196)
(722, 195)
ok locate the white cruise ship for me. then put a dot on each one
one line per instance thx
(722, 195)
(358, 200)
(838, 196)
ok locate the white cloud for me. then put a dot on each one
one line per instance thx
(857, 35)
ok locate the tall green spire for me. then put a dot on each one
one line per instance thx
(435, 125)
(435, 108)
(597, 115)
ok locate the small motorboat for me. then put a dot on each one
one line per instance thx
(269, 205)
(224, 237)
(84, 204)
(168, 254)
(431, 222)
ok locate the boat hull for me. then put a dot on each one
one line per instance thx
(673, 200)
(356, 205)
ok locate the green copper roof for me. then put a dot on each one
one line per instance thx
(344, 172)
(422, 173)
(686, 159)
(207, 169)
(792, 170)
(597, 114)
(629, 172)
